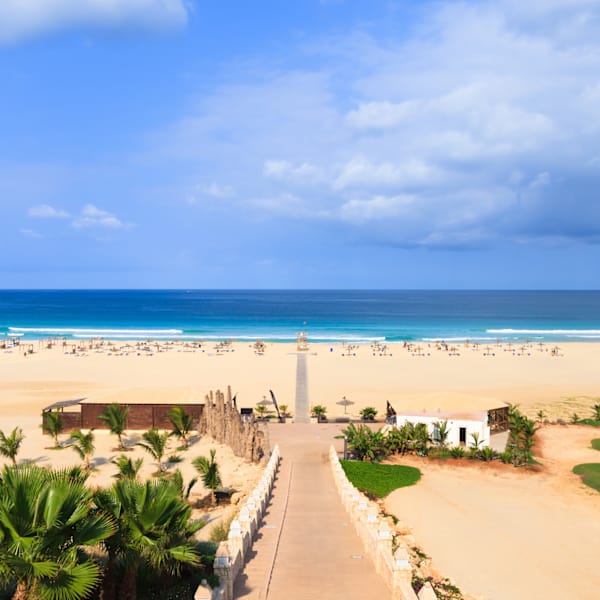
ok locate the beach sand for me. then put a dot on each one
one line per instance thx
(560, 385)
(484, 526)
(501, 532)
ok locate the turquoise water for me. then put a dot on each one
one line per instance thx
(327, 316)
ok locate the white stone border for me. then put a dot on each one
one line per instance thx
(376, 535)
(231, 554)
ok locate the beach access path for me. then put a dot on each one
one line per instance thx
(306, 546)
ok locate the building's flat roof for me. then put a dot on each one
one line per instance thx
(444, 402)
(447, 415)
(171, 395)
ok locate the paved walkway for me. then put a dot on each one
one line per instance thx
(307, 548)
(301, 406)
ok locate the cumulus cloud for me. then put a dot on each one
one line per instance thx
(482, 124)
(283, 169)
(26, 18)
(45, 211)
(380, 115)
(378, 207)
(92, 216)
(361, 172)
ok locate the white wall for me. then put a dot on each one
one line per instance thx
(479, 427)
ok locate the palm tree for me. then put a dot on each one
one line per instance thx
(10, 444)
(209, 471)
(476, 442)
(441, 432)
(128, 469)
(155, 444)
(153, 528)
(83, 445)
(184, 490)
(320, 412)
(182, 423)
(596, 408)
(261, 409)
(541, 415)
(52, 425)
(46, 521)
(115, 416)
(368, 413)
(283, 409)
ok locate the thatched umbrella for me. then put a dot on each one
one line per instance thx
(345, 403)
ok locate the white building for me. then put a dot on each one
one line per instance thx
(461, 425)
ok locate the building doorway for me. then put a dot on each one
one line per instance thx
(462, 435)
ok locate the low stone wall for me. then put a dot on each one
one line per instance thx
(376, 535)
(231, 554)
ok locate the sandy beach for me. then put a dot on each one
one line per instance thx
(409, 378)
(498, 532)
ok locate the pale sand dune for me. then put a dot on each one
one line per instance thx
(503, 533)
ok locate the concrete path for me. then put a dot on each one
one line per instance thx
(301, 407)
(307, 548)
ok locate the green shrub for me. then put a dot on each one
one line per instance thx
(487, 454)
(379, 480)
(596, 444)
(457, 452)
(220, 532)
(368, 413)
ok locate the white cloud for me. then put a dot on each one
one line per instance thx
(450, 136)
(378, 207)
(361, 172)
(380, 115)
(92, 216)
(283, 169)
(45, 211)
(216, 190)
(31, 233)
(24, 18)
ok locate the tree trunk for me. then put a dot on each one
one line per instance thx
(129, 588)
(109, 582)
(22, 592)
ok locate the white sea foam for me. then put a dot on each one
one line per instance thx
(571, 332)
(96, 332)
(462, 338)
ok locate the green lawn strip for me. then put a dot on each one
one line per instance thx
(591, 422)
(590, 474)
(596, 444)
(377, 479)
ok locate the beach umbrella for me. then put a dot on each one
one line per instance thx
(345, 403)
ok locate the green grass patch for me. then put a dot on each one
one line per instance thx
(590, 474)
(591, 422)
(596, 444)
(379, 480)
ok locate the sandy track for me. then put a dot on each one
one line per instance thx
(505, 534)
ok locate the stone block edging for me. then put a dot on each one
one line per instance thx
(231, 554)
(376, 536)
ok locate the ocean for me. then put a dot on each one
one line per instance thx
(355, 316)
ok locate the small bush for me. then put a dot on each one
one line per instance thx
(220, 532)
(457, 452)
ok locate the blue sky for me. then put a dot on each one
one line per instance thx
(307, 144)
